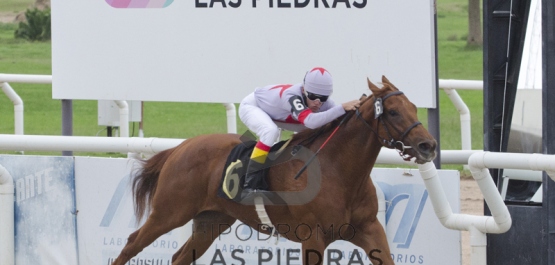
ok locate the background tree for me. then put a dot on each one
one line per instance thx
(41, 4)
(474, 24)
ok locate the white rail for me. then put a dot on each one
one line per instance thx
(86, 143)
(231, 117)
(461, 84)
(17, 106)
(456, 157)
(449, 86)
(123, 117)
(5, 79)
(32, 79)
(11, 142)
(500, 221)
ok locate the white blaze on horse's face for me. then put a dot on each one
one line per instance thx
(400, 126)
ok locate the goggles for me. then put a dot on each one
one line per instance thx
(313, 96)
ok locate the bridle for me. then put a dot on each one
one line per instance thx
(378, 110)
(392, 143)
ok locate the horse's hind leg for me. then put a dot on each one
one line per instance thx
(207, 226)
(157, 224)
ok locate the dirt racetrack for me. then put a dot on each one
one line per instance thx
(472, 202)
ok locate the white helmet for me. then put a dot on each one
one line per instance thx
(318, 81)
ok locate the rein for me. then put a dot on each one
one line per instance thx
(392, 143)
(320, 148)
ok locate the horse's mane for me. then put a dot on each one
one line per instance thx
(310, 135)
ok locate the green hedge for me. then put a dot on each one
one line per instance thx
(37, 26)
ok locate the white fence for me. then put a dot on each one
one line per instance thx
(448, 85)
(6, 79)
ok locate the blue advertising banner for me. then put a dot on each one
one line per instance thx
(45, 223)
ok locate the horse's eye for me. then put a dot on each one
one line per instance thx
(392, 112)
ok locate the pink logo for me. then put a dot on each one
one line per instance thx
(139, 3)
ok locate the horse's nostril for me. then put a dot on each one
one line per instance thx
(425, 147)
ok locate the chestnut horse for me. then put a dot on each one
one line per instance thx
(181, 184)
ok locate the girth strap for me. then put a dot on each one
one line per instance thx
(264, 218)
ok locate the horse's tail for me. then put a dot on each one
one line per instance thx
(146, 180)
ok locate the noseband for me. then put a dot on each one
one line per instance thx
(392, 143)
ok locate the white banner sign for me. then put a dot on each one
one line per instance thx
(220, 51)
(106, 217)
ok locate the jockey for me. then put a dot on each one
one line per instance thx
(291, 107)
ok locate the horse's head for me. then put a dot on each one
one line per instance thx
(392, 117)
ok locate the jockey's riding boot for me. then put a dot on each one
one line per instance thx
(253, 179)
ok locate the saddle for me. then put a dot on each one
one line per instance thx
(235, 170)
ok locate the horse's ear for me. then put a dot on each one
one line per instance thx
(363, 97)
(387, 82)
(372, 87)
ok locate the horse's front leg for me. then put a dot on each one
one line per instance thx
(371, 237)
(313, 251)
